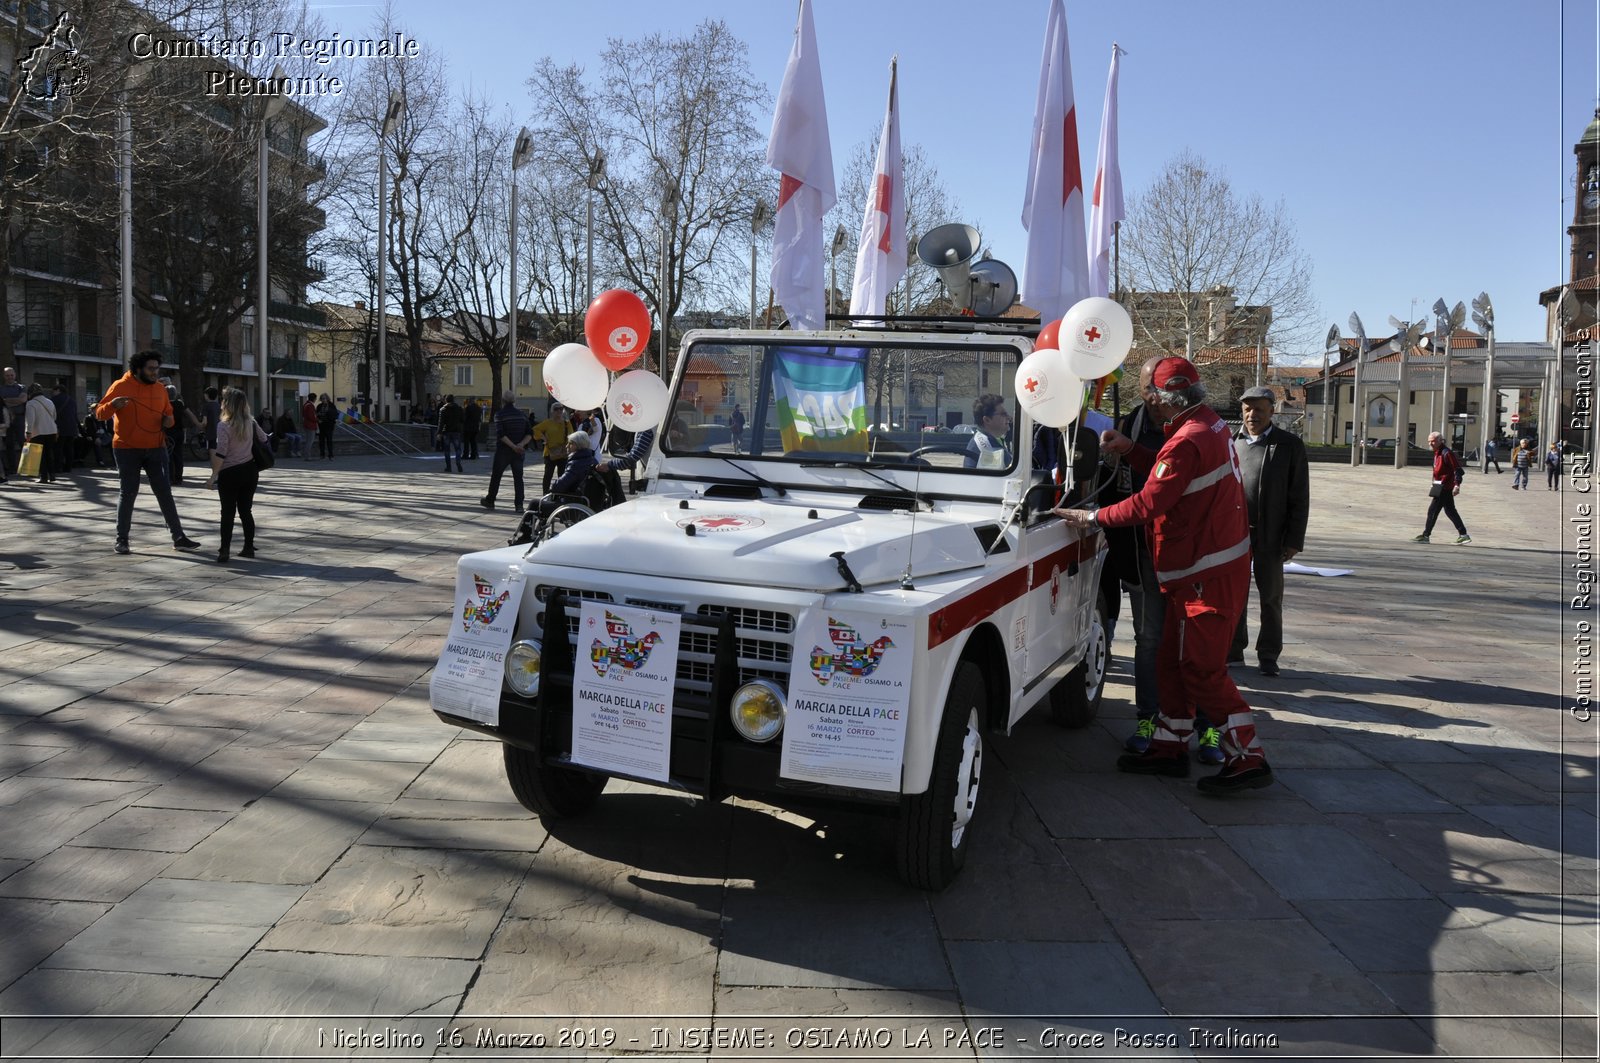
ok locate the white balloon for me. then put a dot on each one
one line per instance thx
(1096, 335)
(637, 400)
(1050, 392)
(575, 378)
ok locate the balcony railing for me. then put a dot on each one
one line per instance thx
(316, 267)
(298, 367)
(53, 259)
(300, 315)
(216, 358)
(55, 341)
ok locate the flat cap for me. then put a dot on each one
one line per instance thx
(1258, 393)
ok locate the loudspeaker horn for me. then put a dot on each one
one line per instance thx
(994, 288)
(950, 249)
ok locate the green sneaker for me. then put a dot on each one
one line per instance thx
(1463, 539)
(1210, 751)
(1139, 741)
(1419, 539)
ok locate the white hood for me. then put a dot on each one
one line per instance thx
(774, 542)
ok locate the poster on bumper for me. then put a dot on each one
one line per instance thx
(626, 663)
(849, 695)
(466, 680)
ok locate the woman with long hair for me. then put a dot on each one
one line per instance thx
(233, 470)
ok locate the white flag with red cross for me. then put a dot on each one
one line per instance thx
(1055, 271)
(799, 149)
(881, 256)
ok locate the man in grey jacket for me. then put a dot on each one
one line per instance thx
(1277, 490)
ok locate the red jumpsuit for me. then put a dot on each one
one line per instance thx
(1194, 498)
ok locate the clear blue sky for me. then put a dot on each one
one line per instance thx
(1423, 147)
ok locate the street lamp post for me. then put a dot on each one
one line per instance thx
(1358, 410)
(273, 106)
(839, 238)
(1330, 344)
(669, 207)
(758, 221)
(1489, 407)
(136, 73)
(1447, 321)
(391, 119)
(597, 173)
(520, 154)
(1402, 398)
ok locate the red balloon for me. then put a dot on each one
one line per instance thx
(1049, 336)
(617, 327)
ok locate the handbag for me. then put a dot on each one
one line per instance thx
(262, 453)
(32, 458)
(1437, 489)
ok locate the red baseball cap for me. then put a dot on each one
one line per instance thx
(1174, 374)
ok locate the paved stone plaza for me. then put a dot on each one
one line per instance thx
(233, 827)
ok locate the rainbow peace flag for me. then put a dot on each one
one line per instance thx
(821, 399)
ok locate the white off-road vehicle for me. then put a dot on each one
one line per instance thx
(858, 596)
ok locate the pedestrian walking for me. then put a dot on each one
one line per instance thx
(1447, 474)
(13, 396)
(327, 422)
(1552, 466)
(234, 473)
(736, 423)
(451, 419)
(1277, 494)
(66, 428)
(210, 413)
(1491, 455)
(1521, 464)
(1194, 502)
(513, 433)
(471, 425)
(1131, 564)
(138, 406)
(39, 426)
(183, 422)
(308, 426)
(551, 433)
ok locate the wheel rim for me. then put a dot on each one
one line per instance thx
(1095, 660)
(967, 776)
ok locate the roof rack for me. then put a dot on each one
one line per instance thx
(1011, 326)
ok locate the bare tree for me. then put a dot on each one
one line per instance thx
(420, 248)
(553, 244)
(673, 115)
(1207, 266)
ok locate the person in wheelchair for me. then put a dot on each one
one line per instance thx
(571, 484)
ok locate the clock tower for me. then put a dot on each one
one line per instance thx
(1584, 231)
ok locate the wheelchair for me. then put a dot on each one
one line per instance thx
(601, 490)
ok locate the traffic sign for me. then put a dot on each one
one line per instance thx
(1515, 418)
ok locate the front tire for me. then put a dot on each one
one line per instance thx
(547, 791)
(1075, 701)
(935, 826)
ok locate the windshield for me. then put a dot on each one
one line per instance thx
(948, 407)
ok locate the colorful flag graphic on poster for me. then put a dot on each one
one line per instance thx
(466, 680)
(849, 695)
(822, 399)
(627, 661)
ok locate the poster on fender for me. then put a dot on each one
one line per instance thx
(467, 677)
(849, 695)
(626, 661)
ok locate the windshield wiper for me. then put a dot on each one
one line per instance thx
(867, 468)
(757, 477)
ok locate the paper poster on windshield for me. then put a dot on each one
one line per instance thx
(466, 680)
(849, 695)
(624, 665)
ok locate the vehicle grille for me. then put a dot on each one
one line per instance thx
(762, 640)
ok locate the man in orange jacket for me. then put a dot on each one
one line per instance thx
(1195, 505)
(139, 405)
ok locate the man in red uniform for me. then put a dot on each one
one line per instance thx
(1194, 500)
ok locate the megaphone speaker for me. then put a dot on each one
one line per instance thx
(950, 249)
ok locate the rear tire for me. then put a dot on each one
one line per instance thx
(1075, 701)
(550, 792)
(935, 826)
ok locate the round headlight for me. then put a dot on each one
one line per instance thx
(522, 668)
(757, 710)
